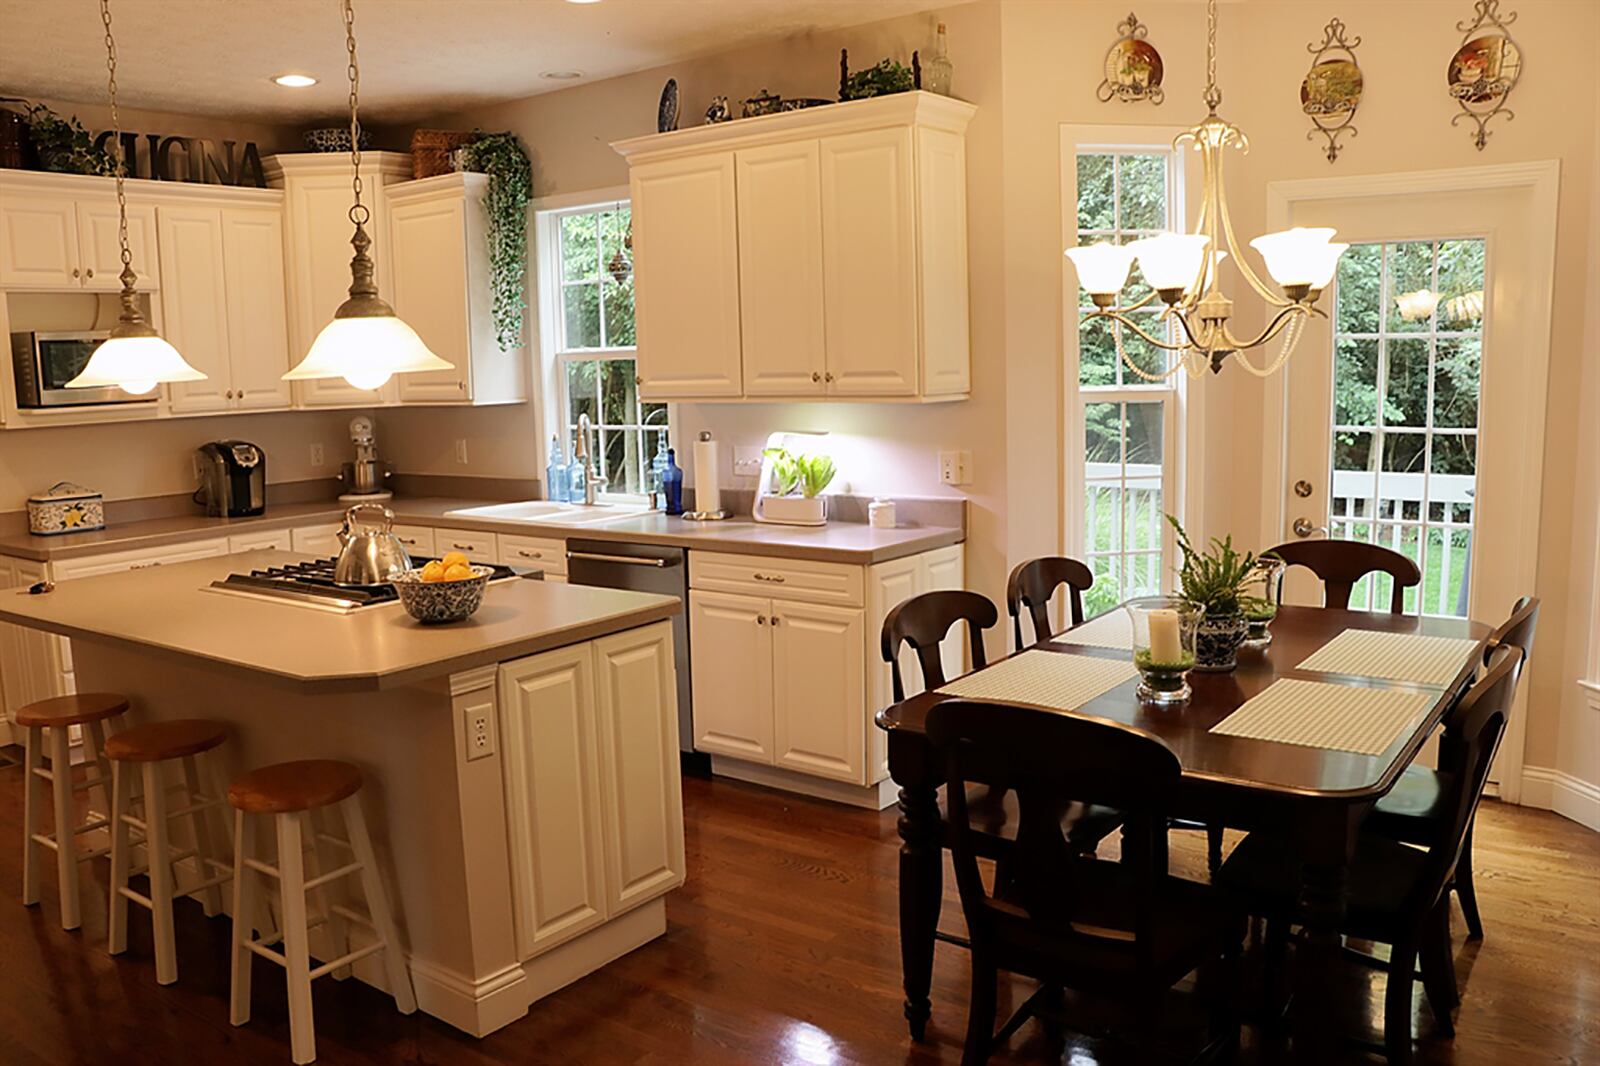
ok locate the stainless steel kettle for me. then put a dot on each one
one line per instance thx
(372, 554)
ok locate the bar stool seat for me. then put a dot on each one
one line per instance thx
(299, 796)
(288, 787)
(50, 722)
(80, 709)
(159, 741)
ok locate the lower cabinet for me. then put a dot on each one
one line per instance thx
(593, 794)
(31, 666)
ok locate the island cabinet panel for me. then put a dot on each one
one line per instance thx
(31, 666)
(780, 270)
(686, 242)
(553, 797)
(730, 671)
(817, 680)
(641, 791)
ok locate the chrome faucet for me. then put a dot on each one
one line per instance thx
(581, 453)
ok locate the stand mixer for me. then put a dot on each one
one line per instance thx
(366, 479)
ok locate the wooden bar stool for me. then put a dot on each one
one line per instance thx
(142, 751)
(89, 710)
(297, 795)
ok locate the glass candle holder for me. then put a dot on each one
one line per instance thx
(1163, 645)
(1260, 605)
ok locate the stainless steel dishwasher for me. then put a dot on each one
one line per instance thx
(643, 568)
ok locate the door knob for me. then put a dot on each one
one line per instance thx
(1303, 528)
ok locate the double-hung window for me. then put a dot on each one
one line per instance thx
(587, 255)
(1123, 455)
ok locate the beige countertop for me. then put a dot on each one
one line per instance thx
(840, 542)
(171, 611)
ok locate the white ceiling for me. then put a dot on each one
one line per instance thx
(418, 57)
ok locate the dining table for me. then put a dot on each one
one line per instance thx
(1315, 797)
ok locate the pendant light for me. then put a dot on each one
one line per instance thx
(366, 343)
(134, 357)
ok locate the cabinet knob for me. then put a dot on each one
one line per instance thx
(815, 376)
(76, 272)
(230, 394)
(828, 376)
(89, 273)
(462, 385)
(774, 619)
(761, 619)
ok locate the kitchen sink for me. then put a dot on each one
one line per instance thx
(550, 511)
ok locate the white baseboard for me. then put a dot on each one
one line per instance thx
(1570, 797)
(872, 797)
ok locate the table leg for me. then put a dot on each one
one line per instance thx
(1327, 846)
(921, 896)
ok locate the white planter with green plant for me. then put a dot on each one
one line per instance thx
(791, 488)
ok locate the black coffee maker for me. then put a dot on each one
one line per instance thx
(233, 479)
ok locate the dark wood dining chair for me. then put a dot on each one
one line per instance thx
(1412, 810)
(1339, 564)
(1033, 584)
(1120, 929)
(1399, 895)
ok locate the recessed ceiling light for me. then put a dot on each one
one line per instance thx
(563, 75)
(295, 81)
(583, 1)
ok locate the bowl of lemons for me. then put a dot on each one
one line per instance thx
(445, 590)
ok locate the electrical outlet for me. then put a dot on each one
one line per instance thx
(316, 455)
(461, 451)
(480, 732)
(955, 468)
(199, 474)
(746, 461)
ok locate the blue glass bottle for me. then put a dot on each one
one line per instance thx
(555, 485)
(672, 483)
(658, 465)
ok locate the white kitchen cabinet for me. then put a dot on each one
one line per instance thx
(537, 553)
(730, 650)
(476, 546)
(194, 303)
(438, 245)
(138, 559)
(552, 783)
(818, 677)
(258, 327)
(851, 268)
(417, 540)
(686, 262)
(641, 798)
(320, 541)
(279, 540)
(31, 666)
(780, 270)
(593, 796)
(62, 241)
(317, 251)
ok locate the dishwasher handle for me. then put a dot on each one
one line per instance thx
(629, 560)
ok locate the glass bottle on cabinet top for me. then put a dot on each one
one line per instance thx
(937, 72)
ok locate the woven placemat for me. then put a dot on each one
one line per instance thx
(1055, 680)
(1320, 714)
(1393, 656)
(1114, 629)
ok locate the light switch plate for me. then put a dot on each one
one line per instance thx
(480, 731)
(955, 468)
(316, 454)
(461, 450)
(746, 461)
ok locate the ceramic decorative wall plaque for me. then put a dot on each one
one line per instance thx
(1331, 91)
(1485, 68)
(1133, 66)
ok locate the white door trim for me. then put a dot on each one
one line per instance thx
(1542, 179)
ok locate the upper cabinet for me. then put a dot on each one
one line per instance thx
(817, 254)
(64, 236)
(439, 256)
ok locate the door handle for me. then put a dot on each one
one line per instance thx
(629, 560)
(1303, 528)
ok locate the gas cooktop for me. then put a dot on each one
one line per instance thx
(311, 584)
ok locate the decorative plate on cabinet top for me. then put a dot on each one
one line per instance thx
(667, 112)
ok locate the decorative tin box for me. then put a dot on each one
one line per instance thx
(65, 508)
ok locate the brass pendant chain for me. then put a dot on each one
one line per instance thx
(129, 278)
(358, 211)
(1213, 97)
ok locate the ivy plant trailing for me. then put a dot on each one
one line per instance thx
(500, 155)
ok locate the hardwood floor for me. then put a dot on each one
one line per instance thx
(782, 948)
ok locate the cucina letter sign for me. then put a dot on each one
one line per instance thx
(197, 159)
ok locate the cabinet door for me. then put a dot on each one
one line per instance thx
(194, 304)
(280, 540)
(641, 795)
(319, 542)
(819, 707)
(553, 807)
(730, 667)
(869, 265)
(477, 547)
(780, 270)
(258, 325)
(32, 665)
(942, 251)
(428, 253)
(39, 242)
(686, 266)
(100, 249)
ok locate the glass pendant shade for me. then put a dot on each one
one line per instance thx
(1171, 260)
(365, 350)
(135, 363)
(1300, 256)
(1102, 268)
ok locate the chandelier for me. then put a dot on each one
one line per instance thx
(1181, 269)
(366, 343)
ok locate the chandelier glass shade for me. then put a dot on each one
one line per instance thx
(1182, 269)
(366, 343)
(133, 358)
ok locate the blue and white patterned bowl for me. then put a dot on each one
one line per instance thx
(438, 602)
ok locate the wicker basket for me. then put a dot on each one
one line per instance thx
(430, 150)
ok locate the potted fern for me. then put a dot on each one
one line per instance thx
(1218, 579)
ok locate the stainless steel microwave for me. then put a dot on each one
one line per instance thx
(44, 362)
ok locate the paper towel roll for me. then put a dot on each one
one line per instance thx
(707, 495)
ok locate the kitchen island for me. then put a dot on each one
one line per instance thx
(522, 780)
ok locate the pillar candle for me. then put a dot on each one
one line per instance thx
(1166, 646)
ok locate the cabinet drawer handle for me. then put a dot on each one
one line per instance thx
(463, 547)
(776, 579)
(144, 566)
(526, 554)
(408, 540)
